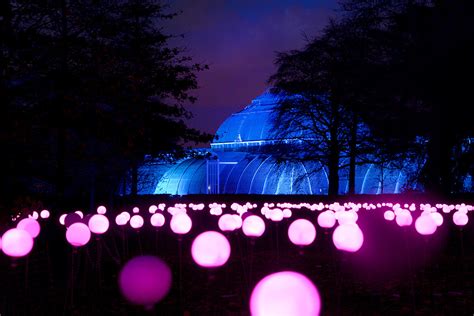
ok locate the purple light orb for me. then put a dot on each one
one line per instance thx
(181, 223)
(157, 220)
(460, 218)
(17, 242)
(302, 232)
(79, 213)
(98, 224)
(136, 221)
(121, 219)
(238, 221)
(276, 215)
(403, 218)
(72, 218)
(101, 210)
(438, 218)
(62, 219)
(227, 223)
(152, 209)
(389, 215)
(327, 219)
(30, 225)
(348, 237)
(35, 215)
(346, 217)
(425, 225)
(145, 281)
(136, 210)
(253, 226)
(210, 249)
(44, 214)
(78, 234)
(285, 293)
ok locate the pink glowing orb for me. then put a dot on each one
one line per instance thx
(152, 209)
(389, 215)
(101, 210)
(30, 225)
(327, 219)
(157, 220)
(253, 226)
(35, 215)
(98, 224)
(121, 219)
(302, 232)
(78, 234)
(227, 223)
(62, 219)
(210, 249)
(136, 221)
(348, 237)
(285, 293)
(438, 218)
(44, 214)
(136, 210)
(346, 217)
(425, 225)
(145, 281)
(81, 215)
(404, 218)
(238, 221)
(181, 223)
(460, 218)
(17, 242)
(276, 215)
(287, 213)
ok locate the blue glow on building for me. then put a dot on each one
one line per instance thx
(238, 163)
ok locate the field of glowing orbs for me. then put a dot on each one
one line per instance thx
(241, 258)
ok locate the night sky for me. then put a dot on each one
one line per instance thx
(238, 40)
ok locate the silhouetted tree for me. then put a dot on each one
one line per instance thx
(90, 87)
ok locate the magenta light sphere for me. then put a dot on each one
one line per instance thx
(136, 221)
(389, 215)
(210, 249)
(238, 221)
(438, 218)
(425, 225)
(181, 223)
(302, 232)
(101, 210)
(327, 219)
(404, 218)
(30, 225)
(253, 226)
(81, 215)
(44, 214)
(17, 242)
(145, 280)
(227, 223)
(285, 293)
(121, 219)
(348, 237)
(98, 224)
(152, 209)
(276, 215)
(157, 220)
(460, 218)
(62, 219)
(78, 234)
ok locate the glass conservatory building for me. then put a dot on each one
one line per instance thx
(237, 163)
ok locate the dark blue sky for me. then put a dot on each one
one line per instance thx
(238, 40)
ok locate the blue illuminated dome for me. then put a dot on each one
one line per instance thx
(238, 163)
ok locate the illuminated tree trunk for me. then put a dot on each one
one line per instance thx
(352, 156)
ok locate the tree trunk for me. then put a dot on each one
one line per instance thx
(352, 156)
